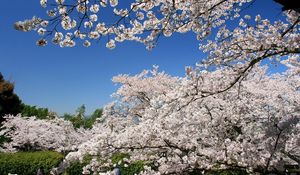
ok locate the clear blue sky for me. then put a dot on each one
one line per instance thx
(62, 79)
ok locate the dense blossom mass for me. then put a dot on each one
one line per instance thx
(255, 125)
(29, 134)
(176, 125)
(227, 112)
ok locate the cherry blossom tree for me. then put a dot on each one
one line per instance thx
(228, 112)
(175, 126)
(141, 20)
(253, 126)
(30, 133)
(145, 21)
(247, 45)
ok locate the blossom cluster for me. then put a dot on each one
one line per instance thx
(142, 21)
(35, 134)
(181, 124)
(255, 125)
(251, 43)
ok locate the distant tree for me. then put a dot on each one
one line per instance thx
(67, 116)
(97, 113)
(80, 112)
(80, 120)
(89, 122)
(77, 121)
(40, 113)
(9, 101)
(31, 134)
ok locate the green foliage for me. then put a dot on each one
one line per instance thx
(75, 168)
(131, 169)
(9, 101)
(28, 163)
(292, 169)
(226, 172)
(75, 120)
(79, 120)
(115, 158)
(3, 140)
(97, 114)
(67, 116)
(40, 113)
(91, 120)
(80, 112)
(217, 171)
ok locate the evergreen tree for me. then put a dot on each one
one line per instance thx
(9, 101)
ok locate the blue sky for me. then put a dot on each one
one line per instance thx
(62, 79)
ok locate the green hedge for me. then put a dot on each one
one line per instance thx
(75, 167)
(28, 163)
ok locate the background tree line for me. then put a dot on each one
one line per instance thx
(10, 103)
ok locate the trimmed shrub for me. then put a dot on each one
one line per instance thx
(28, 163)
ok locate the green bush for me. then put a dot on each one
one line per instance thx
(28, 163)
(115, 158)
(75, 167)
(4, 140)
(131, 169)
